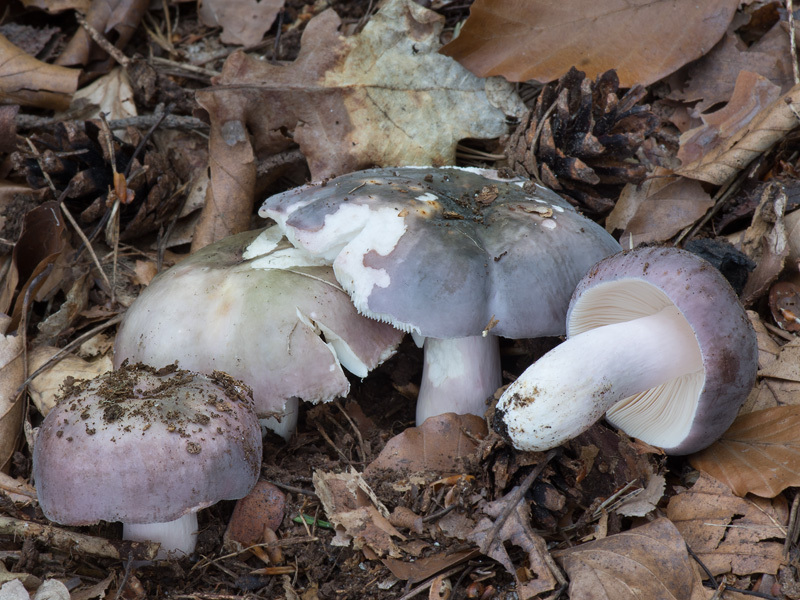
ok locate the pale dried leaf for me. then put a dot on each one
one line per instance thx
(759, 454)
(45, 388)
(646, 500)
(17, 489)
(439, 445)
(766, 129)
(28, 81)
(650, 561)
(539, 39)
(243, 22)
(730, 534)
(356, 512)
(111, 95)
(57, 6)
(11, 405)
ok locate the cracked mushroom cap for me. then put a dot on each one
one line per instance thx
(144, 446)
(684, 416)
(446, 252)
(261, 310)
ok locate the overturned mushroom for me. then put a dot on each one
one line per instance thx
(457, 256)
(147, 448)
(657, 341)
(263, 311)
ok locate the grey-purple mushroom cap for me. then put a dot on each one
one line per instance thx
(641, 282)
(261, 310)
(144, 446)
(446, 252)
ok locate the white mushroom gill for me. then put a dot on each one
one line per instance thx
(573, 385)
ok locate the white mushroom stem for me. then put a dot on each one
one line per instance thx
(572, 386)
(458, 376)
(177, 538)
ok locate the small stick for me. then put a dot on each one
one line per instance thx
(69, 541)
(101, 41)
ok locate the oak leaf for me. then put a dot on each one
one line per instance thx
(540, 39)
(759, 454)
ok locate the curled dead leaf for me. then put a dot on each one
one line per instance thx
(28, 81)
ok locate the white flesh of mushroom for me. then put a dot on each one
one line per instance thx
(634, 369)
(177, 538)
(458, 376)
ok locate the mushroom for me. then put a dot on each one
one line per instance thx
(657, 341)
(148, 448)
(263, 311)
(457, 256)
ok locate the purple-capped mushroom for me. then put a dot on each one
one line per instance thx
(457, 256)
(263, 311)
(148, 448)
(657, 341)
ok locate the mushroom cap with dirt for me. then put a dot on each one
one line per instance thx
(148, 448)
(458, 256)
(657, 342)
(263, 311)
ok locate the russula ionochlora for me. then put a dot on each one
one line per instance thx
(148, 448)
(263, 311)
(457, 256)
(657, 342)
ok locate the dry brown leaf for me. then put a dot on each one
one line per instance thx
(752, 94)
(383, 97)
(759, 454)
(11, 377)
(243, 22)
(518, 531)
(17, 489)
(539, 39)
(121, 17)
(28, 81)
(45, 388)
(439, 445)
(422, 568)
(674, 205)
(730, 534)
(650, 561)
(766, 129)
(356, 513)
(57, 6)
(712, 78)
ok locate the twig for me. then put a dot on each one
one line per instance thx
(181, 123)
(69, 541)
(793, 41)
(514, 498)
(362, 448)
(101, 41)
(189, 68)
(791, 533)
(424, 586)
(291, 488)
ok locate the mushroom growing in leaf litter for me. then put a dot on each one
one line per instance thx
(148, 448)
(457, 256)
(264, 312)
(657, 341)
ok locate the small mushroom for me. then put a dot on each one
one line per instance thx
(657, 341)
(147, 448)
(263, 311)
(457, 256)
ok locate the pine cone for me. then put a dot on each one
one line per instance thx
(76, 159)
(587, 139)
